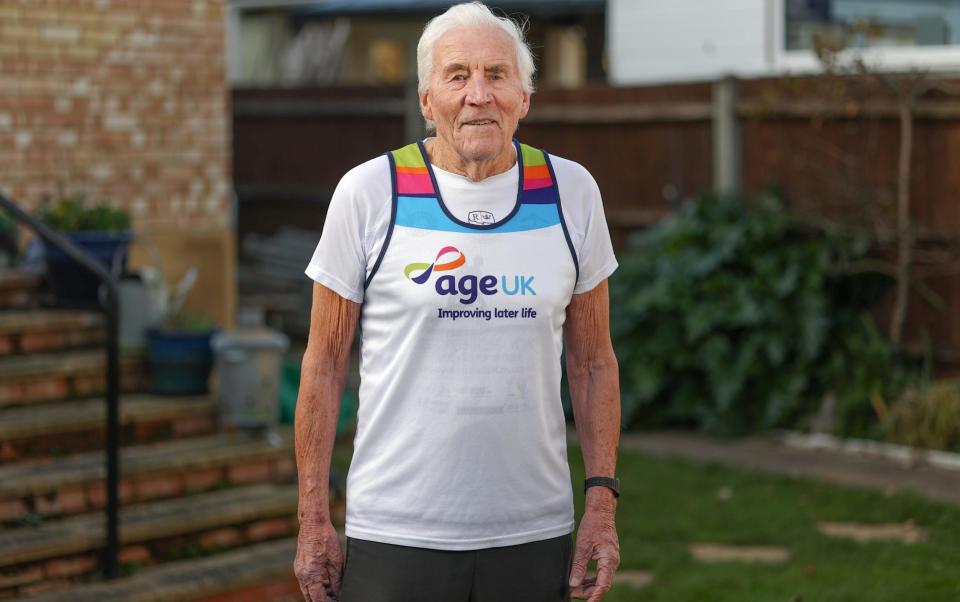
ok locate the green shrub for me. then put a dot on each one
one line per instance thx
(730, 316)
(926, 416)
(71, 214)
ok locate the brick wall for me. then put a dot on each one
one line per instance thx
(124, 99)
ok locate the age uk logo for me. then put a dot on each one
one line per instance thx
(468, 286)
(429, 268)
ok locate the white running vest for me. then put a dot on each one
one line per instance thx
(461, 439)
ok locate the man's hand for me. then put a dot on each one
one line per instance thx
(319, 563)
(596, 540)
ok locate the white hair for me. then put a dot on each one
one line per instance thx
(471, 14)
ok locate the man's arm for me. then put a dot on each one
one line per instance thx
(326, 360)
(594, 380)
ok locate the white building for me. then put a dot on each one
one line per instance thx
(684, 40)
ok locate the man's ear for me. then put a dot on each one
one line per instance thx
(425, 108)
(525, 106)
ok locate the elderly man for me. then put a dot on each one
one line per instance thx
(469, 259)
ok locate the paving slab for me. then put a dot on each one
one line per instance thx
(768, 454)
(713, 552)
(905, 532)
(633, 579)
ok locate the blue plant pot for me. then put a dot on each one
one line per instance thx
(180, 361)
(73, 285)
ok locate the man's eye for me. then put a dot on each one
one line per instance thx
(496, 76)
(459, 77)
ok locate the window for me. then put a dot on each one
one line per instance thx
(871, 23)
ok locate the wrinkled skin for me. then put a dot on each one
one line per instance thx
(476, 99)
(596, 540)
(319, 562)
(593, 374)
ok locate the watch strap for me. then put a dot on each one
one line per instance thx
(611, 483)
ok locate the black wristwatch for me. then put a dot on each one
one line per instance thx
(611, 483)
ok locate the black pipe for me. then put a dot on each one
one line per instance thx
(110, 307)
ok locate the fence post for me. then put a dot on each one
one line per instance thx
(727, 149)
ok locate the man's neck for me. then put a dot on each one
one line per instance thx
(450, 160)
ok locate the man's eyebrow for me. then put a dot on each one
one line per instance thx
(450, 68)
(494, 68)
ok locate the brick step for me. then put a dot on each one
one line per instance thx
(40, 377)
(74, 484)
(61, 553)
(262, 572)
(37, 330)
(19, 288)
(65, 427)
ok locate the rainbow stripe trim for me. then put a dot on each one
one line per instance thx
(418, 205)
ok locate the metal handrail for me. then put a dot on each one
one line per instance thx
(110, 307)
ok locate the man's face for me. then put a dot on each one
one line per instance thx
(475, 97)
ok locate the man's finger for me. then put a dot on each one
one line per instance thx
(306, 594)
(317, 590)
(605, 568)
(578, 568)
(335, 577)
(583, 591)
(598, 593)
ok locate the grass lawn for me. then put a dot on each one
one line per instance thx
(666, 504)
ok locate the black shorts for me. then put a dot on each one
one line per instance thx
(531, 572)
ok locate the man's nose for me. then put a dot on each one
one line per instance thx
(478, 91)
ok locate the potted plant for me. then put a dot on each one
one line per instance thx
(179, 353)
(178, 348)
(101, 230)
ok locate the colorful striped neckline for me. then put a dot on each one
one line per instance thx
(420, 206)
(435, 192)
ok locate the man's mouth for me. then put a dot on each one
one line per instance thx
(479, 122)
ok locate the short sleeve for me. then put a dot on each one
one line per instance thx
(583, 212)
(341, 257)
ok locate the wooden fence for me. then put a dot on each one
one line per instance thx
(830, 145)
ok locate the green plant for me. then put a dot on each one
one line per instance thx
(733, 317)
(927, 415)
(72, 214)
(191, 321)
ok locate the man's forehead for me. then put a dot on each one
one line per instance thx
(468, 45)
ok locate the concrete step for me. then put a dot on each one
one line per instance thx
(40, 377)
(38, 330)
(43, 489)
(262, 572)
(19, 288)
(66, 427)
(62, 552)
